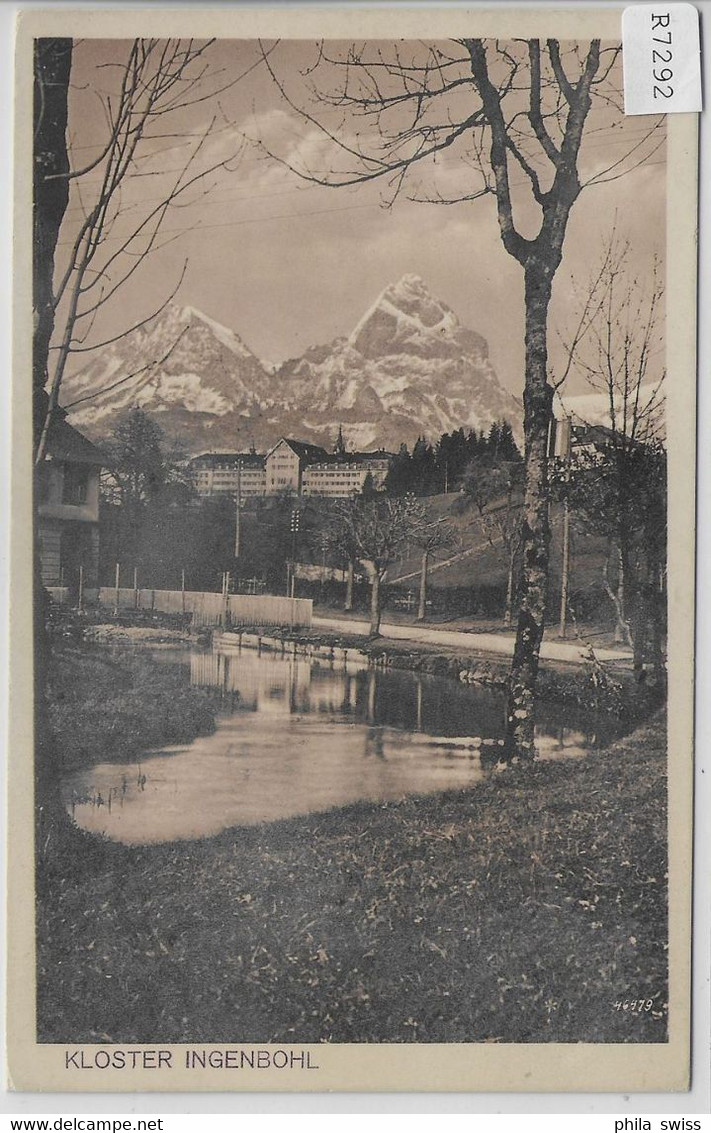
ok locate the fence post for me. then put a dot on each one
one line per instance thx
(135, 588)
(81, 586)
(182, 589)
(226, 611)
(116, 589)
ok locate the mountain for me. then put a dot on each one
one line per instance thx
(197, 377)
(409, 367)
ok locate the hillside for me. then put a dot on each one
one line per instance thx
(476, 563)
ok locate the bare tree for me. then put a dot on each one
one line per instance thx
(376, 531)
(113, 234)
(496, 492)
(109, 244)
(617, 475)
(505, 107)
(434, 536)
(52, 66)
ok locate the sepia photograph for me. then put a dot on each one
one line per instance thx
(359, 479)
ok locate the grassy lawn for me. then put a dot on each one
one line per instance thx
(117, 703)
(521, 910)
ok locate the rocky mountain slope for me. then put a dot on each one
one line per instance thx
(409, 367)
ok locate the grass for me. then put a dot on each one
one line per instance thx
(521, 910)
(112, 705)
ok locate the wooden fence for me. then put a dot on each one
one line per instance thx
(210, 609)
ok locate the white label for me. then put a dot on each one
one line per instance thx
(661, 58)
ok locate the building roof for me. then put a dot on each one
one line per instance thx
(64, 442)
(246, 459)
(306, 452)
(348, 459)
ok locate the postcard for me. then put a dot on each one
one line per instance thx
(352, 555)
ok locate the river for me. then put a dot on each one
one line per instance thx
(296, 735)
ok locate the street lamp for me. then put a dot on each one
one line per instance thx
(295, 526)
(324, 547)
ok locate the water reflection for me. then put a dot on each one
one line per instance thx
(297, 735)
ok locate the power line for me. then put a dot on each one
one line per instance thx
(299, 215)
(250, 220)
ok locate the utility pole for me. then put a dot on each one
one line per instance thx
(563, 451)
(295, 525)
(324, 547)
(238, 512)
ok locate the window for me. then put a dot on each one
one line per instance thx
(76, 484)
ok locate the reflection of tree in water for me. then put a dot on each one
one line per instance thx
(375, 697)
(374, 743)
(371, 697)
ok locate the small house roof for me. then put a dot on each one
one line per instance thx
(308, 453)
(64, 442)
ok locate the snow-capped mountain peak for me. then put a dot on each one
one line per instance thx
(409, 367)
(229, 338)
(407, 318)
(184, 367)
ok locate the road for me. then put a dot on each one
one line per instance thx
(569, 652)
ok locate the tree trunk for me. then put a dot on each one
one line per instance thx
(509, 588)
(565, 567)
(623, 633)
(50, 196)
(375, 604)
(535, 540)
(620, 627)
(348, 605)
(640, 619)
(657, 625)
(50, 188)
(422, 608)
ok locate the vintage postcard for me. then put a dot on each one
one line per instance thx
(353, 532)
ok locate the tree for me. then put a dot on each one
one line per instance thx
(504, 105)
(137, 461)
(398, 481)
(111, 240)
(52, 65)
(105, 250)
(144, 480)
(368, 490)
(434, 536)
(495, 489)
(616, 479)
(373, 532)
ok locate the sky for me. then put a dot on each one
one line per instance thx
(288, 264)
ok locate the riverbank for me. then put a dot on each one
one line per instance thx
(530, 908)
(113, 704)
(590, 685)
(586, 683)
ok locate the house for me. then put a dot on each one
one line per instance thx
(346, 474)
(68, 507)
(229, 474)
(286, 462)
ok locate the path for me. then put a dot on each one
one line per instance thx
(570, 652)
